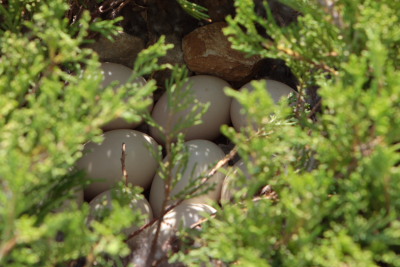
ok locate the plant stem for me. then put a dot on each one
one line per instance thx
(7, 247)
(123, 157)
(168, 146)
(164, 209)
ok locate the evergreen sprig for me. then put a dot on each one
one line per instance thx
(195, 10)
(336, 178)
(51, 104)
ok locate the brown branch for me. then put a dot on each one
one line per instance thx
(123, 157)
(91, 257)
(315, 108)
(168, 142)
(109, 5)
(121, 6)
(201, 221)
(213, 171)
(299, 100)
(218, 166)
(7, 247)
(298, 56)
(266, 193)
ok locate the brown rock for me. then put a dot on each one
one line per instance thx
(174, 55)
(207, 50)
(123, 50)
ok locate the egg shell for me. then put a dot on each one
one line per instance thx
(205, 89)
(228, 188)
(104, 201)
(103, 160)
(276, 89)
(117, 72)
(203, 155)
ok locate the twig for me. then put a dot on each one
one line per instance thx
(7, 247)
(91, 257)
(121, 6)
(168, 142)
(199, 222)
(108, 5)
(298, 56)
(315, 108)
(266, 193)
(165, 210)
(123, 157)
(299, 99)
(218, 166)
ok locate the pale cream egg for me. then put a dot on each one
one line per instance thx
(276, 89)
(206, 89)
(116, 72)
(103, 202)
(103, 160)
(203, 155)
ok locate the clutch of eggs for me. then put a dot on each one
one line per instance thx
(276, 89)
(103, 160)
(206, 89)
(116, 72)
(203, 155)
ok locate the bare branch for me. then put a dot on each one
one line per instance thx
(298, 56)
(7, 247)
(123, 157)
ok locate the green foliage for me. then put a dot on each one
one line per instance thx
(179, 101)
(337, 178)
(196, 11)
(50, 105)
